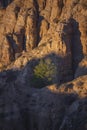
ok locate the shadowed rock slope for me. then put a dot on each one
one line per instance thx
(51, 108)
(35, 30)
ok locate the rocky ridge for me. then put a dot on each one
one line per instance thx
(56, 25)
(32, 30)
(53, 107)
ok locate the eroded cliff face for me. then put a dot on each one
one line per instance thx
(53, 107)
(34, 30)
(59, 25)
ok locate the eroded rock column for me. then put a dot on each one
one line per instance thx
(31, 29)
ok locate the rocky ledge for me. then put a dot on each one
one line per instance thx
(54, 31)
(53, 107)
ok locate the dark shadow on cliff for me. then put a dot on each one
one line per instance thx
(39, 26)
(76, 45)
(51, 62)
(32, 103)
(30, 117)
(29, 120)
(40, 109)
(24, 107)
(64, 72)
(81, 71)
(5, 3)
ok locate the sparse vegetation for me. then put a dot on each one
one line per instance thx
(44, 73)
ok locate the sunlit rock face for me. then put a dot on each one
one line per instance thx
(36, 30)
(42, 27)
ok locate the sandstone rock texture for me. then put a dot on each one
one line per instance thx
(34, 30)
(59, 26)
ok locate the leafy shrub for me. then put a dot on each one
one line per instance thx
(44, 73)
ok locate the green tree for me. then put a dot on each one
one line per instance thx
(44, 73)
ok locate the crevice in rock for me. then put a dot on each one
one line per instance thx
(17, 10)
(76, 47)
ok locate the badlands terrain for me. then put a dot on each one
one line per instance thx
(43, 65)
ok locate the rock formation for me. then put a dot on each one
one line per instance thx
(34, 30)
(31, 29)
(53, 107)
(55, 23)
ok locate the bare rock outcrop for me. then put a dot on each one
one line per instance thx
(31, 29)
(35, 30)
(6, 54)
(53, 107)
(60, 25)
(40, 28)
(20, 22)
